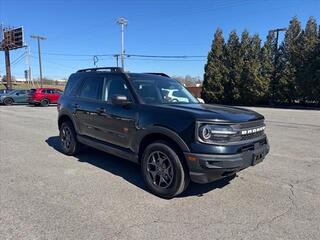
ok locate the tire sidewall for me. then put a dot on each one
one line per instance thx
(44, 102)
(73, 146)
(178, 182)
(7, 101)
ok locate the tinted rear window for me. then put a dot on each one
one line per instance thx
(71, 84)
(91, 88)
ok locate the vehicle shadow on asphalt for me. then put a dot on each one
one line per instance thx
(131, 171)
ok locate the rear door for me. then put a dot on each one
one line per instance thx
(51, 95)
(87, 106)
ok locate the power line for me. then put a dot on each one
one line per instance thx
(165, 56)
(76, 55)
(127, 55)
(18, 58)
(168, 60)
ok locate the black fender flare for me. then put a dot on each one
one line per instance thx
(163, 131)
(69, 116)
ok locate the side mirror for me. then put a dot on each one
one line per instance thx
(120, 100)
(17, 94)
(200, 100)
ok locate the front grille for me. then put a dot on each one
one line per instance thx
(251, 136)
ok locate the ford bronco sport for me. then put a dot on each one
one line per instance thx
(174, 139)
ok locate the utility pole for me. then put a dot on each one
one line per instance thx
(39, 53)
(277, 30)
(117, 59)
(123, 22)
(28, 62)
(8, 67)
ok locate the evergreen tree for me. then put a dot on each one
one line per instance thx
(307, 44)
(289, 58)
(253, 86)
(233, 63)
(267, 68)
(215, 71)
(312, 73)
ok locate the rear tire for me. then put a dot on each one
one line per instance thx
(68, 139)
(163, 170)
(8, 101)
(44, 103)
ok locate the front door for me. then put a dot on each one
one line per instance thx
(21, 96)
(116, 123)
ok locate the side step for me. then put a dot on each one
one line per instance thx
(105, 147)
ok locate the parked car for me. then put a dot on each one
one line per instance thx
(131, 116)
(5, 91)
(14, 96)
(44, 96)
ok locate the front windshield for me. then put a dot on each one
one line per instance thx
(162, 90)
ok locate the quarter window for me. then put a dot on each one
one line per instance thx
(91, 88)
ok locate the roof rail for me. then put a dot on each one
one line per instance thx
(159, 74)
(101, 69)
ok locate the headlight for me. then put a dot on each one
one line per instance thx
(210, 133)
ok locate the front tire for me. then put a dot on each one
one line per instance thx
(8, 101)
(68, 139)
(163, 170)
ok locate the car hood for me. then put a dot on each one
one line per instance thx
(218, 112)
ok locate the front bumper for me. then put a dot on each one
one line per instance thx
(206, 168)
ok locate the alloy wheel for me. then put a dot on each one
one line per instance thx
(160, 169)
(66, 137)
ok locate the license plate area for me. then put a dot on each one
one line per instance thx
(258, 154)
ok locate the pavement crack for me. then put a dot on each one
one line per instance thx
(291, 198)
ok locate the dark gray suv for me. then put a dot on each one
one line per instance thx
(174, 139)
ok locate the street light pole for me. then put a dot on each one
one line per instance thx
(275, 31)
(39, 54)
(123, 22)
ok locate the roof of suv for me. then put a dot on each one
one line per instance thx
(117, 70)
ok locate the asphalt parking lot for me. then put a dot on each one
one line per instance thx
(47, 195)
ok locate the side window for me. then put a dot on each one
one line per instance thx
(57, 91)
(91, 88)
(177, 94)
(115, 86)
(71, 85)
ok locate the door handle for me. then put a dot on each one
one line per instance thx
(101, 110)
(76, 105)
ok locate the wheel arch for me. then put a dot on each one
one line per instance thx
(162, 134)
(63, 118)
(45, 98)
(8, 98)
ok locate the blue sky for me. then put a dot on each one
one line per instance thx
(162, 27)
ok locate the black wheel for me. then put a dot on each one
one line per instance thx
(44, 103)
(68, 139)
(163, 170)
(8, 101)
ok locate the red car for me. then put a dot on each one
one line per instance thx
(44, 96)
